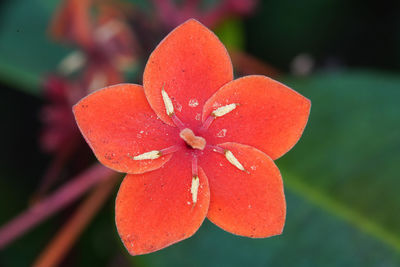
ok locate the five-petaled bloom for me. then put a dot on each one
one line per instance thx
(194, 143)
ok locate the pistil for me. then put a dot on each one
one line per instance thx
(196, 142)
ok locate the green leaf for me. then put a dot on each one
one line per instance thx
(341, 182)
(312, 237)
(231, 33)
(26, 52)
(350, 150)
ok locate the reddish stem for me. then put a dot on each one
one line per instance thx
(207, 123)
(65, 238)
(166, 11)
(52, 174)
(56, 201)
(177, 122)
(217, 149)
(195, 171)
(169, 150)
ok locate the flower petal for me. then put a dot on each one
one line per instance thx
(247, 202)
(155, 209)
(191, 64)
(268, 115)
(118, 124)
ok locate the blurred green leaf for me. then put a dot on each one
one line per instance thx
(231, 33)
(312, 237)
(364, 34)
(17, 183)
(26, 53)
(341, 183)
(99, 244)
(351, 148)
(280, 30)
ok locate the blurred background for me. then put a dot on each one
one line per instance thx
(341, 180)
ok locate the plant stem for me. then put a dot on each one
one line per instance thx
(53, 172)
(53, 203)
(65, 238)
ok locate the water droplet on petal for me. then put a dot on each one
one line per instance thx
(222, 133)
(193, 103)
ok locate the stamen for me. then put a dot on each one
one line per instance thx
(194, 166)
(217, 149)
(169, 150)
(233, 160)
(177, 121)
(194, 189)
(207, 123)
(154, 154)
(167, 102)
(169, 107)
(221, 111)
(195, 179)
(72, 62)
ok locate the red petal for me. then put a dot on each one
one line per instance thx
(270, 116)
(249, 203)
(192, 64)
(118, 124)
(155, 209)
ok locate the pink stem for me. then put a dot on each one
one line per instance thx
(56, 201)
(217, 149)
(177, 122)
(166, 11)
(207, 123)
(169, 150)
(56, 250)
(195, 171)
(52, 174)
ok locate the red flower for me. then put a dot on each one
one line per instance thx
(59, 124)
(194, 143)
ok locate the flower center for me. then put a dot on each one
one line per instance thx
(196, 142)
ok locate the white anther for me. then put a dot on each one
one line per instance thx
(195, 188)
(167, 102)
(233, 160)
(154, 154)
(221, 111)
(72, 62)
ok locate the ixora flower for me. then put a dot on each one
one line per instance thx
(194, 143)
